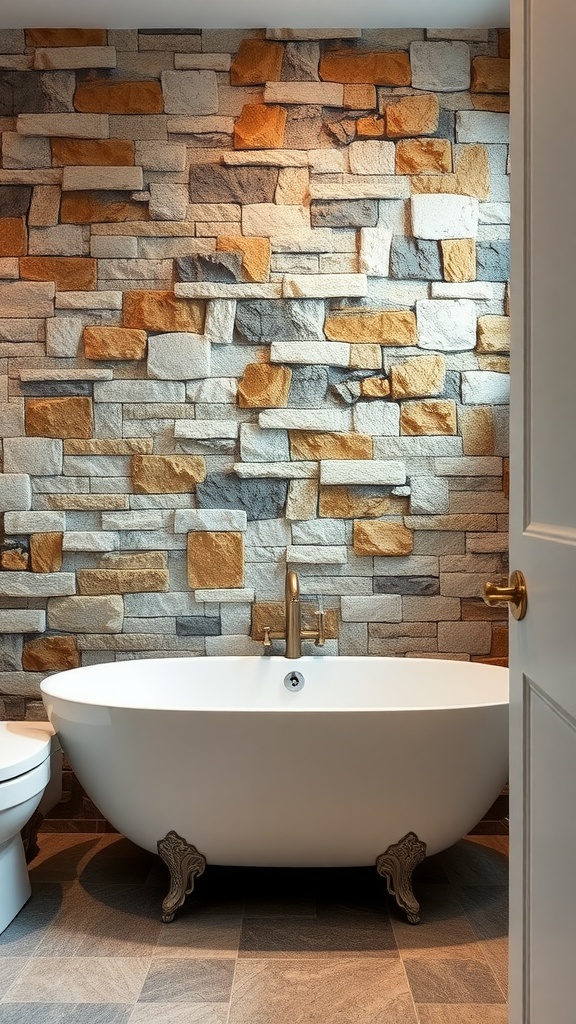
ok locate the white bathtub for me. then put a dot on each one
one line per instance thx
(220, 751)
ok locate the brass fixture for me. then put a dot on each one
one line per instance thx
(514, 594)
(293, 632)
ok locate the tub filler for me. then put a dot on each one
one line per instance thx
(319, 762)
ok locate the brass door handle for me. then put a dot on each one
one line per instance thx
(514, 594)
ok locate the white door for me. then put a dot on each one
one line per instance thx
(543, 513)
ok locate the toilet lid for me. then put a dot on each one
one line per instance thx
(23, 746)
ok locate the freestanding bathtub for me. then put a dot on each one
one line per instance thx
(236, 757)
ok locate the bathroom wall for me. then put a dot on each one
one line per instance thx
(253, 307)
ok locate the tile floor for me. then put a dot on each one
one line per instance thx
(254, 946)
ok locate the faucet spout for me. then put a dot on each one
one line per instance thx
(293, 613)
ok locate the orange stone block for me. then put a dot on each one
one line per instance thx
(382, 538)
(423, 156)
(260, 127)
(49, 653)
(473, 171)
(264, 386)
(46, 552)
(14, 559)
(257, 61)
(381, 326)
(371, 127)
(504, 42)
(348, 502)
(375, 387)
(69, 273)
(114, 343)
(167, 474)
(359, 97)
(413, 115)
(500, 103)
(163, 311)
(92, 152)
(433, 184)
(359, 67)
(215, 560)
(310, 446)
(65, 37)
(13, 237)
(429, 417)
(490, 74)
(109, 97)
(59, 417)
(256, 255)
(458, 259)
(98, 208)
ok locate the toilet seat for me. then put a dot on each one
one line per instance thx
(23, 746)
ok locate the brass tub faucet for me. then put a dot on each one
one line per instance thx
(293, 632)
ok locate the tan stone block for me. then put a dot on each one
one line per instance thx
(92, 152)
(50, 653)
(348, 502)
(110, 97)
(264, 386)
(308, 446)
(166, 474)
(359, 97)
(97, 582)
(504, 42)
(365, 357)
(108, 446)
(92, 208)
(256, 62)
(215, 560)
(373, 127)
(65, 37)
(59, 417)
(499, 364)
(14, 559)
(114, 343)
(473, 171)
(69, 273)
(256, 255)
(271, 614)
(162, 311)
(135, 560)
(87, 502)
(375, 387)
(382, 326)
(46, 552)
(382, 538)
(13, 236)
(428, 417)
(500, 103)
(45, 206)
(413, 115)
(433, 184)
(293, 188)
(359, 67)
(477, 430)
(423, 156)
(260, 127)
(493, 334)
(490, 74)
(458, 259)
(414, 378)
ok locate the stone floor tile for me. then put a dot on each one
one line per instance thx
(62, 856)
(23, 936)
(477, 860)
(200, 936)
(9, 971)
(463, 1013)
(64, 1013)
(335, 991)
(444, 931)
(188, 981)
(451, 981)
(179, 1013)
(79, 980)
(117, 860)
(334, 933)
(487, 909)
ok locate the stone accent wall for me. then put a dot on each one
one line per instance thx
(253, 308)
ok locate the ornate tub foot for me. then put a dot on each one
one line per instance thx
(184, 863)
(396, 866)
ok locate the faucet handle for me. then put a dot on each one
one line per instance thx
(267, 639)
(321, 636)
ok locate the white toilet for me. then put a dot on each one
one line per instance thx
(30, 779)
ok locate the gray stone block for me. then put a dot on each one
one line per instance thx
(15, 200)
(260, 499)
(225, 267)
(11, 654)
(451, 385)
(214, 183)
(301, 61)
(304, 126)
(257, 445)
(308, 387)
(265, 320)
(493, 260)
(415, 258)
(420, 586)
(56, 389)
(352, 213)
(198, 625)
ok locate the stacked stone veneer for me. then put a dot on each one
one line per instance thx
(253, 309)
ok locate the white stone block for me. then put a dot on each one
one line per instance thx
(37, 456)
(258, 445)
(267, 219)
(440, 66)
(217, 390)
(61, 240)
(201, 125)
(160, 156)
(266, 158)
(140, 520)
(12, 418)
(190, 92)
(70, 126)
(139, 391)
(178, 356)
(189, 520)
(331, 420)
(468, 466)
(37, 584)
(494, 213)
(327, 286)
(276, 470)
(75, 179)
(362, 471)
(238, 596)
(232, 646)
(210, 290)
(52, 58)
(377, 418)
(372, 157)
(313, 33)
(367, 186)
(319, 531)
(89, 300)
(325, 94)
(326, 161)
(330, 353)
(21, 621)
(444, 216)
(484, 387)
(375, 246)
(168, 201)
(34, 522)
(479, 290)
(219, 323)
(113, 247)
(202, 61)
(315, 554)
(206, 429)
(381, 608)
(86, 614)
(482, 126)
(19, 151)
(429, 495)
(447, 326)
(90, 540)
(468, 35)
(23, 299)
(15, 492)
